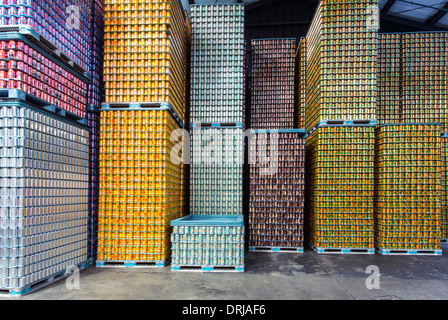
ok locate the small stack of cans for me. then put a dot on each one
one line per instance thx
(66, 24)
(272, 84)
(342, 62)
(43, 196)
(389, 78)
(140, 186)
(216, 183)
(340, 188)
(300, 98)
(28, 66)
(425, 69)
(207, 246)
(145, 53)
(217, 64)
(407, 200)
(277, 189)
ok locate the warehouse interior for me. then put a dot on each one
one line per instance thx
(293, 259)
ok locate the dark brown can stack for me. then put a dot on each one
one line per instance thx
(277, 173)
(272, 84)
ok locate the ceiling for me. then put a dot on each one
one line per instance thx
(424, 13)
(430, 12)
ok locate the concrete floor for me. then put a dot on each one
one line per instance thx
(268, 276)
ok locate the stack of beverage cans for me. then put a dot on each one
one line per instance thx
(300, 98)
(342, 62)
(389, 78)
(444, 187)
(66, 24)
(145, 56)
(424, 80)
(140, 186)
(216, 168)
(340, 189)
(43, 195)
(272, 84)
(407, 202)
(217, 64)
(277, 190)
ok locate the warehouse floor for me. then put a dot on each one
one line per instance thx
(269, 276)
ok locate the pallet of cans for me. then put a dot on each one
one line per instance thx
(277, 190)
(444, 186)
(407, 191)
(340, 189)
(217, 63)
(93, 119)
(208, 244)
(43, 197)
(140, 187)
(30, 65)
(342, 62)
(216, 177)
(389, 78)
(66, 24)
(300, 84)
(145, 52)
(424, 77)
(95, 94)
(272, 84)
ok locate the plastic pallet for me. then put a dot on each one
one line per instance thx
(42, 283)
(410, 252)
(143, 106)
(131, 264)
(343, 250)
(275, 249)
(186, 268)
(444, 240)
(343, 123)
(18, 98)
(216, 125)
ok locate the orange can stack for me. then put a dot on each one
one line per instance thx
(140, 187)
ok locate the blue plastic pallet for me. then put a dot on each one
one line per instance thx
(275, 249)
(410, 252)
(343, 123)
(108, 106)
(131, 264)
(186, 268)
(216, 125)
(343, 250)
(39, 284)
(209, 221)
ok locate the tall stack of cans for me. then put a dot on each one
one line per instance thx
(141, 179)
(44, 153)
(145, 50)
(340, 189)
(300, 88)
(389, 78)
(272, 84)
(277, 190)
(95, 96)
(66, 24)
(341, 62)
(424, 77)
(444, 186)
(408, 189)
(216, 159)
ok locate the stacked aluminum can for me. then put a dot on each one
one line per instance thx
(342, 62)
(300, 99)
(217, 64)
(272, 84)
(217, 100)
(389, 78)
(44, 195)
(407, 190)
